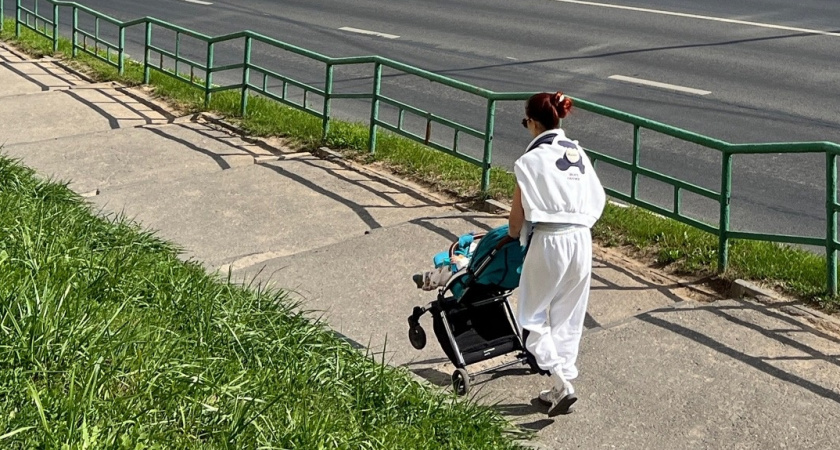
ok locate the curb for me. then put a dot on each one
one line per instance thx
(241, 134)
(742, 288)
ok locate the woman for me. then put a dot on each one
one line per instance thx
(558, 198)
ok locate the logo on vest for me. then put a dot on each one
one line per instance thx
(571, 158)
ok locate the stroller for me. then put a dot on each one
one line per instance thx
(472, 317)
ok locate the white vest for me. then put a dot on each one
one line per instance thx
(558, 183)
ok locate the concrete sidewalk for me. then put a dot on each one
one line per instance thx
(662, 366)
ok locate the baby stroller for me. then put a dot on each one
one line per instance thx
(472, 317)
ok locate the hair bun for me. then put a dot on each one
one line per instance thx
(561, 104)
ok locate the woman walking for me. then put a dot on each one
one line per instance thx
(557, 200)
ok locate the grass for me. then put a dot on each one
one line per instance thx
(108, 340)
(687, 250)
(664, 242)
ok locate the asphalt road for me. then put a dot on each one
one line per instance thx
(768, 66)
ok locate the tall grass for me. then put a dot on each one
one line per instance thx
(108, 340)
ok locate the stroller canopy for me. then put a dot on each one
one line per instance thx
(502, 269)
(505, 267)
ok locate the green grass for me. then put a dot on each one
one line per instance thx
(108, 340)
(681, 248)
(687, 250)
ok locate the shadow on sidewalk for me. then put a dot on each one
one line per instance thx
(764, 339)
(642, 284)
(42, 74)
(120, 106)
(779, 346)
(363, 211)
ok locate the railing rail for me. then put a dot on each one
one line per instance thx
(154, 58)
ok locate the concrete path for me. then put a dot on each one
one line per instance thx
(663, 365)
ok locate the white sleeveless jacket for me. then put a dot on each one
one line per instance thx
(558, 183)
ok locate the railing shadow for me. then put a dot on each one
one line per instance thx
(801, 351)
(133, 110)
(45, 76)
(642, 284)
(362, 210)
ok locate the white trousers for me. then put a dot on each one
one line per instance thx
(553, 295)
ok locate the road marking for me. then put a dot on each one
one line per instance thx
(199, 2)
(368, 32)
(511, 58)
(696, 16)
(672, 87)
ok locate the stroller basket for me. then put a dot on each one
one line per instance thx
(480, 331)
(472, 317)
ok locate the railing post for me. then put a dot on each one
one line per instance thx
(677, 200)
(831, 221)
(374, 105)
(121, 61)
(725, 195)
(74, 35)
(147, 54)
(246, 76)
(96, 36)
(637, 146)
(17, 18)
(55, 28)
(208, 75)
(328, 88)
(178, 50)
(488, 145)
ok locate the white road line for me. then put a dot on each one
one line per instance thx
(511, 58)
(672, 87)
(199, 2)
(696, 16)
(368, 32)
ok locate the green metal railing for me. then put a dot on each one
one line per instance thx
(31, 18)
(727, 150)
(155, 59)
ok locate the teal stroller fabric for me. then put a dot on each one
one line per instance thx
(502, 270)
(505, 267)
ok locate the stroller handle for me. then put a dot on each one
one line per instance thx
(505, 241)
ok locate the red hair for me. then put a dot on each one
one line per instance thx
(548, 109)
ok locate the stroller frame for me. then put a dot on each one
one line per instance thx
(461, 378)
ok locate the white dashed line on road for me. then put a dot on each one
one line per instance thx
(199, 2)
(672, 87)
(697, 16)
(369, 33)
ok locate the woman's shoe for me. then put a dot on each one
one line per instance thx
(559, 401)
(418, 280)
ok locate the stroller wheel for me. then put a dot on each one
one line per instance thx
(417, 336)
(461, 381)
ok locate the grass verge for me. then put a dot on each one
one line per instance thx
(108, 340)
(666, 243)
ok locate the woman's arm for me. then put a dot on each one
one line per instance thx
(517, 214)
